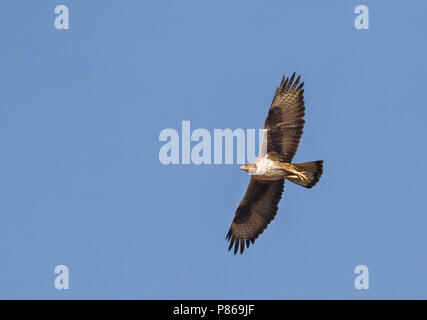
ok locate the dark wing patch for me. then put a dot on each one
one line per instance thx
(284, 123)
(256, 210)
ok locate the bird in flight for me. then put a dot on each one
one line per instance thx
(282, 132)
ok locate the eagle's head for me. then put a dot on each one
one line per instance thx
(249, 168)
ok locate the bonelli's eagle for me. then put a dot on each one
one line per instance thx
(282, 132)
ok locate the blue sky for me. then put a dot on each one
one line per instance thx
(81, 183)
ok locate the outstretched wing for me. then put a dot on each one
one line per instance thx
(256, 210)
(284, 123)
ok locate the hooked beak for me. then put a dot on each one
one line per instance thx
(244, 167)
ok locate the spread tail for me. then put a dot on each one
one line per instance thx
(312, 172)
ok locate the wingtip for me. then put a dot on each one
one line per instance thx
(239, 244)
(231, 243)
(283, 81)
(288, 82)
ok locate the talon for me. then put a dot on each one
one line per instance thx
(299, 175)
(302, 176)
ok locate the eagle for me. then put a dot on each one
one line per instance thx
(283, 128)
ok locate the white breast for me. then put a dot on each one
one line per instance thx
(263, 164)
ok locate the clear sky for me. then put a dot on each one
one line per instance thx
(81, 183)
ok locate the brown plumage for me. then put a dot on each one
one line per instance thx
(282, 132)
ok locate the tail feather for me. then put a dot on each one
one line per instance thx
(313, 171)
